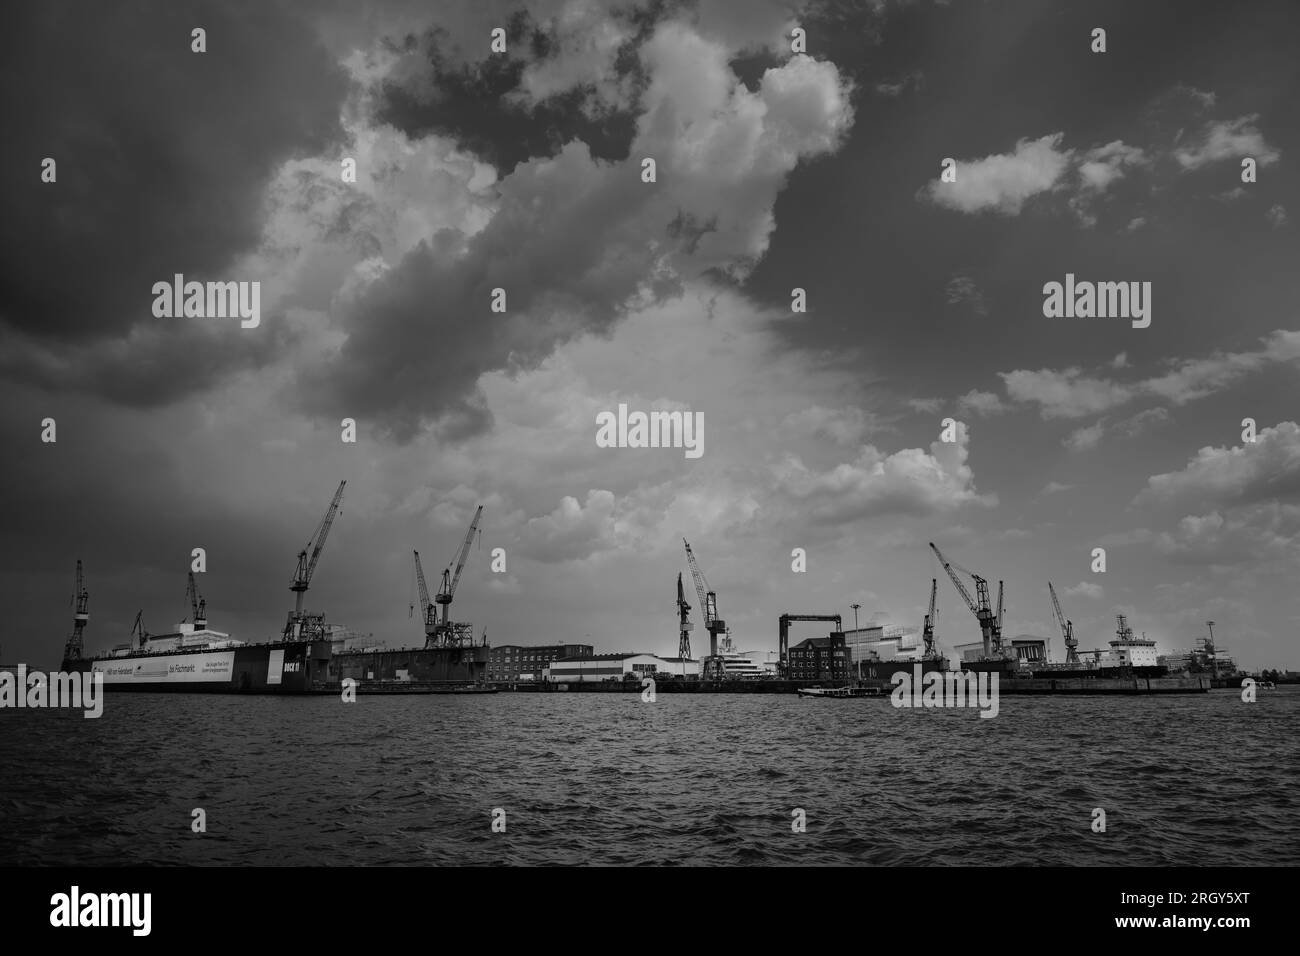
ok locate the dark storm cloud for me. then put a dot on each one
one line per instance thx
(419, 337)
(162, 156)
(470, 102)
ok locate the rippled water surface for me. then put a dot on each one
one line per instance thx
(609, 779)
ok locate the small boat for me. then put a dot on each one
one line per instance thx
(840, 692)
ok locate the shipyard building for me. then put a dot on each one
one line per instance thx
(600, 667)
(1027, 649)
(517, 662)
(820, 658)
(883, 642)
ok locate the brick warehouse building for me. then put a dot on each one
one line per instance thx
(820, 658)
(512, 662)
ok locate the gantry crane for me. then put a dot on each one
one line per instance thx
(198, 605)
(300, 626)
(928, 632)
(447, 633)
(713, 666)
(990, 622)
(684, 625)
(1067, 629)
(80, 601)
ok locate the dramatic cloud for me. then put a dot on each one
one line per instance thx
(574, 240)
(145, 191)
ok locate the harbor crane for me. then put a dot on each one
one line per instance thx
(1067, 629)
(684, 625)
(928, 631)
(713, 666)
(428, 610)
(139, 628)
(80, 601)
(302, 626)
(990, 622)
(447, 633)
(198, 605)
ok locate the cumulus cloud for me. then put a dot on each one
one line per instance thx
(574, 530)
(575, 241)
(1227, 139)
(1276, 215)
(1086, 438)
(1085, 589)
(1265, 532)
(909, 481)
(1055, 488)
(976, 402)
(1003, 182)
(1068, 393)
(1267, 468)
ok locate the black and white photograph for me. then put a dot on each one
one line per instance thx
(496, 435)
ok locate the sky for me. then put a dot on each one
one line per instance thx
(775, 170)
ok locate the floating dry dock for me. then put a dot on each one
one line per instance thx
(402, 687)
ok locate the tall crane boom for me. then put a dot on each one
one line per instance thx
(714, 668)
(426, 606)
(297, 626)
(990, 622)
(307, 566)
(684, 625)
(928, 631)
(1067, 629)
(701, 585)
(198, 605)
(446, 633)
(961, 588)
(80, 601)
(451, 579)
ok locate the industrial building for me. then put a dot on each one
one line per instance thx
(883, 642)
(600, 667)
(516, 662)
(820, 658)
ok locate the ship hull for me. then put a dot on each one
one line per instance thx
(287, 667)
(460, 665)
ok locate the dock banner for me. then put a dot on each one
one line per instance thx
(169, 669)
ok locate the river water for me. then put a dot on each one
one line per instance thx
(687, 779)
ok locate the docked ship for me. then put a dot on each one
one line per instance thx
(194, 658)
